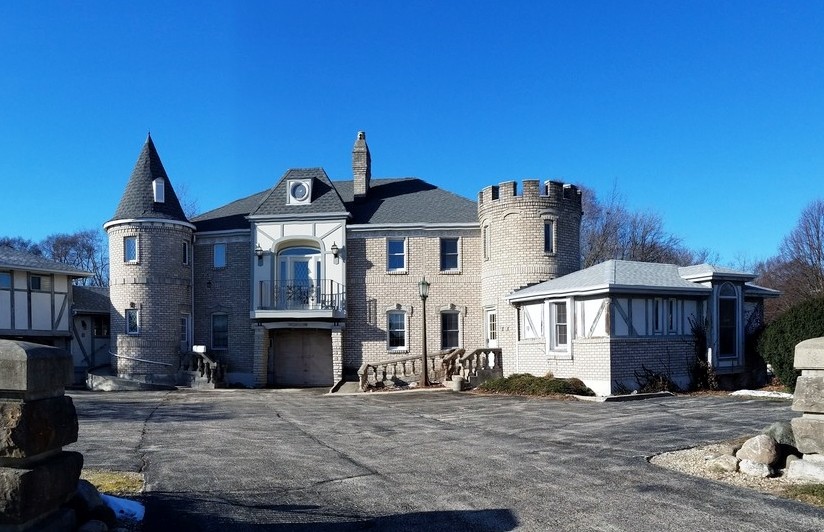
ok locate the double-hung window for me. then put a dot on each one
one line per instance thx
(5, 280)
(450, 332)
(396, 254)
(396, 330)
(560, 338)
(449, 255)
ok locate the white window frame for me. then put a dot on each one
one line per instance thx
(405, 319)
(554, 344)
(441, 254)
(159, 190)
(132, 331)
(212, 331)
(225, 248)
(531, 321)
(389, 255)
(136, 258)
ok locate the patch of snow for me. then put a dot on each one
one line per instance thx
(124, 508)
(760, 393)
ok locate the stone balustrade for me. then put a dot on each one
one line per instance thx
(481, 364)
(407, 369)
(36, 420)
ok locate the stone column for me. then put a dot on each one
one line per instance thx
(809, 399)
(36, 421)
(337, 354)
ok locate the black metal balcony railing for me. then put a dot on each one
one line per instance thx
(290, 294)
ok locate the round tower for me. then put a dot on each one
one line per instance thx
(150, 271)
(527, 238)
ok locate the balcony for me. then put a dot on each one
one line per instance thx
(323, 298)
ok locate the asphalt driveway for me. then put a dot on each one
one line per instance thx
(301, 460)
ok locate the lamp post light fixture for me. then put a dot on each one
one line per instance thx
(423, 291)
(258, 251)
(335, 251)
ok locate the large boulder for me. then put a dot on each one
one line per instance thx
(807, 469)
(781, 432)
(724, 462)
(761, 449)
(755, 469)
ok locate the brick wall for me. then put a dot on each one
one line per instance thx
(158, 285)
(371, 290)
(515, 256)
(225, 290)
(671, 356)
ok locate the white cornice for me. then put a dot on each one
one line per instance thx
(123, 221)
(413, 226)
(298, 217)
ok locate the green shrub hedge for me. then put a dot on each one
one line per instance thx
(525, 384)
(778, 341)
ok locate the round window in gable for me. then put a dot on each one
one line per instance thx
(300, 191)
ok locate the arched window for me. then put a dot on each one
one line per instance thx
(159, 190)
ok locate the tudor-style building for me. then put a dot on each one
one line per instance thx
(301, 284)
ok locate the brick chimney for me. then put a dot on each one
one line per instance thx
(361, 166)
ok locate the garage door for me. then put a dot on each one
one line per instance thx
(302, 357)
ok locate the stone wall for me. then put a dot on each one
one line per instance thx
(36, 421)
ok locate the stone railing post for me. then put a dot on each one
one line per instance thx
(809, 399)
(36, 421)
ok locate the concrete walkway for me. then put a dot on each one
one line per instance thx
(301, 460)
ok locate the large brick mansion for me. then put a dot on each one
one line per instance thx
(300, 284)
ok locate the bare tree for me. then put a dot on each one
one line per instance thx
(21, 244)
(802, 251)
(610, 231)
(85, 249)
(188, 203)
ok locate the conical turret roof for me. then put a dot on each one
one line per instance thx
(138, 200)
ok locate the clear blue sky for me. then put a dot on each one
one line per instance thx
(709, 113)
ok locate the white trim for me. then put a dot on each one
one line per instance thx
(609, 289)
(108, 225)
(298, 216)
(413, 226)
(405, 242)
(218, 234)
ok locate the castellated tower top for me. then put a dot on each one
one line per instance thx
(149, 192)
(555, 192)
(361, 166)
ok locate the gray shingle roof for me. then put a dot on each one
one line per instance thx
(91, 299)
(325, 197)
(709, 271)
(138, 199)
(614, 276)
(407, 200)
(230, 216)
(13, 259)
(398, 200)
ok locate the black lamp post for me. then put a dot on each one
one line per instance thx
(423, 291)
